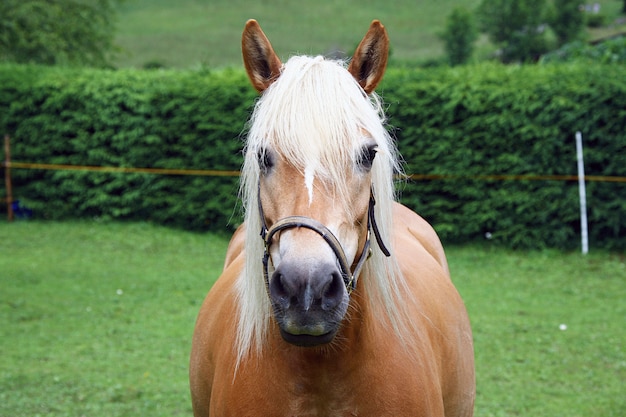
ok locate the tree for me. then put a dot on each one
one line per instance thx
(518, 27)
(57, 32)
(567, 21)
(459, 36)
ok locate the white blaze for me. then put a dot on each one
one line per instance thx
(309, 176)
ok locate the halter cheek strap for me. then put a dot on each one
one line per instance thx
(349, 276)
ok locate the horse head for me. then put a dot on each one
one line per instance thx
(312, 146)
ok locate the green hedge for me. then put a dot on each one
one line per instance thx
(188, 120)
(517, 120)
(466, 121)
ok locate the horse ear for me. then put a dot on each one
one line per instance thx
(262, 63)
(370, 58)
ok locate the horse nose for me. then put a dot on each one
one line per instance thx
(303, 287)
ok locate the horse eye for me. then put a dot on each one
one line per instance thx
(266, 162)
(366, 158)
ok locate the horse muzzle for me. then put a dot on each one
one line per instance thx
(309, 301)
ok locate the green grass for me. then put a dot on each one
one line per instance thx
(96, 320)
(527, 364)
(208, 32)
(188, 33)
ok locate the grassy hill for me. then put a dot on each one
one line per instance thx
(187, 33)
(207, 32)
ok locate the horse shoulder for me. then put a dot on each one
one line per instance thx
(214, 334)
(407, 221)
(440, 313)
(235, 246)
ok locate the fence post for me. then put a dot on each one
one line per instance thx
(7, 177)
(584, 235)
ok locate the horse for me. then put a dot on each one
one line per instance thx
(334, 299)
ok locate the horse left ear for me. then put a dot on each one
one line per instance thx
(261, 62)
(370, 58)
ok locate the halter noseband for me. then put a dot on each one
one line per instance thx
(349, 277)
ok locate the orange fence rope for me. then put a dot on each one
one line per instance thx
(225, 173)
(157, 171)
(528, 177)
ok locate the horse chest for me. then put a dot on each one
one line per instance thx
(319, 397)
(317, 391)
(315, 407)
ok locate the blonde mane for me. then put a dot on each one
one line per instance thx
(314, 94)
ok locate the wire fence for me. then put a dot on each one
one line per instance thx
(8, 165)
(234, 173)
(154, 171)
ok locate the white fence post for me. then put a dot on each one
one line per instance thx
(584, 235)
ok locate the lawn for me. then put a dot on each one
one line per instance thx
(548, 330)
(189, 33)
(96, 319)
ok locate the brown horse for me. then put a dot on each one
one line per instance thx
(308, 319)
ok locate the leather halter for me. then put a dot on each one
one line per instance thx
(349, 276)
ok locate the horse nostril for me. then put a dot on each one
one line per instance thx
(278, 291)
(307, 288)
(333, 293)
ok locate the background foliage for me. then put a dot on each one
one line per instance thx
(611, 51)
(513, 121)
(190, 33)
(567, 20)
(57, 32)
(185, 33)
(459, 36)
(518, 27)
(461, 122)
(155, 119)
